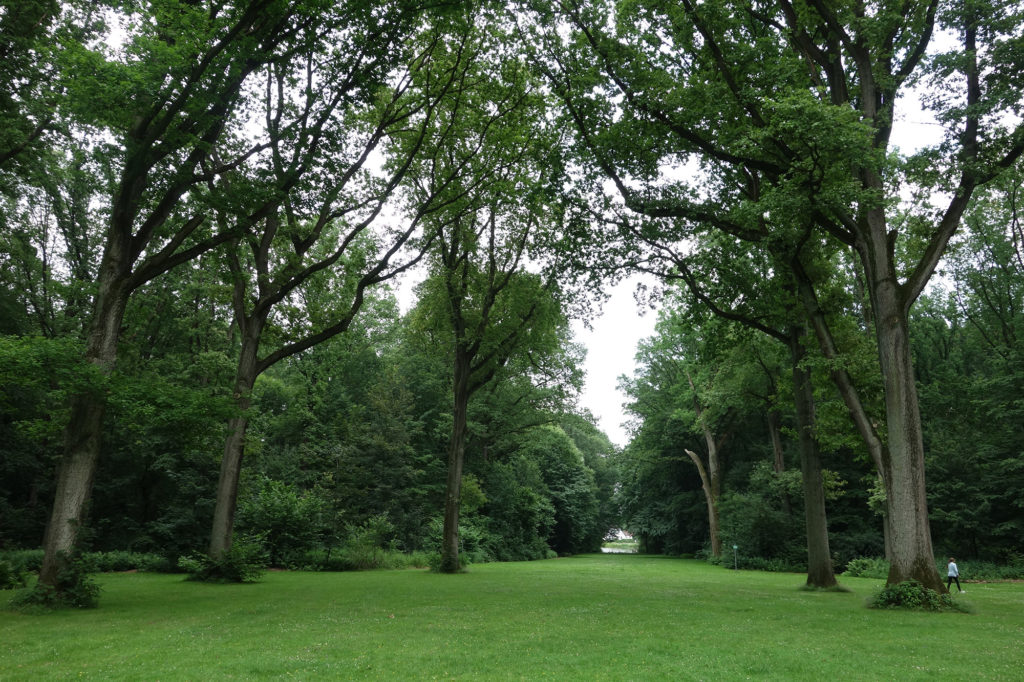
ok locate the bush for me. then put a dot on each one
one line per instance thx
(986, 571)
(289, 520)
(10, 576)
(867, 567)
(28, 560)
(914, 596)
(435, 562)
(244, 562)
(340, 560)
(120, 560)
(74, 589)
(745, 562)
(975, 571)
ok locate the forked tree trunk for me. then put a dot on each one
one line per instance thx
(900, 458)
(709, 486)
(819, 557)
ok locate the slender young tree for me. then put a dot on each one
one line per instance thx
(496, 290)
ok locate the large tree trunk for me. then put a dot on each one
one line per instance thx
(912, 555)
(234, 447)
(83, 434)
(456, 456)
(902, 461)
(819, 556)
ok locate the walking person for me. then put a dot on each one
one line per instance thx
(953, 573)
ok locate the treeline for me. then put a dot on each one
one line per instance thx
(204, 202)
(346, 448)
(719, 391)
(203, 206)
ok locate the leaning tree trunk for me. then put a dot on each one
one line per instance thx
(234, 447)
(710, 486)
(819, 556)
(83, 434)
(456, 456)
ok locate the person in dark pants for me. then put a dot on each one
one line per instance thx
(953, 573)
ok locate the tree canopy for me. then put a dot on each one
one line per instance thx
(207, 208)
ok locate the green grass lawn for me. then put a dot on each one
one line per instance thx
(614, 617)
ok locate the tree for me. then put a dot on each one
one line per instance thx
(496, 156)
(28, 29)
(571, 487)
(181, 72)
(789, 107)
(967, 352)
(755, 293)
(307, 251)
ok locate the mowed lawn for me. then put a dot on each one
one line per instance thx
(612, 617)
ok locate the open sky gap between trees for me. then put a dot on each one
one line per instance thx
(203, 224)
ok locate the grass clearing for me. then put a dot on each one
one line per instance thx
(613, 617)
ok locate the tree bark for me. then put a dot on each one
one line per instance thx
(819, 557)
(234, 447)
(456, 457)
(83, 434)
(775, 432)
(711, 498)
(912, 556)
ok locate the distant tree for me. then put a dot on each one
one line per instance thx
(494, 288)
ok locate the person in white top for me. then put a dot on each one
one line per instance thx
(953, 573)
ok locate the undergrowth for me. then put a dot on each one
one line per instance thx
(912, 595)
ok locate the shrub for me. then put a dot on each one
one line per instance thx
(10, 576)
(975, 571)
(745, 562)
(987, 571)
(340, 560)
(367, 545)
(74, 589)
(288, 520)
(913, 595)
(121, 560)
(435, 562)
(29, 560)
(244, 562)
(867, 567)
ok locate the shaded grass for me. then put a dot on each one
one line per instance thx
(609, 617)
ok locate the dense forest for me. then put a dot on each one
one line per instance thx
(208, 210)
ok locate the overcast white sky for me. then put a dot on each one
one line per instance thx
(611, 346)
